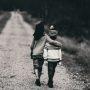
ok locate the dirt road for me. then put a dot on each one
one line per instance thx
(16, 65)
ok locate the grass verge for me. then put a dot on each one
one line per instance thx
(4, 17)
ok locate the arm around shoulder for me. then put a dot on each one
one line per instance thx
(53, 42)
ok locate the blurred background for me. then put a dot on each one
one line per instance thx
(71, 17)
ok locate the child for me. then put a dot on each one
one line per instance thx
(53, 55)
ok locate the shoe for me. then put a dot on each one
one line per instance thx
(50, 84)
(37, 82)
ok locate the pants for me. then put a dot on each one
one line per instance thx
(38, 63)
(51, 70)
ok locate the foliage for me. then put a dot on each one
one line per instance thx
(4, 16)
(71, 17)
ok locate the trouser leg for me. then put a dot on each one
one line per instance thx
(33, 67)
(40, 63)
(35, 64)
(38, 67)
(51, 70)
(38, 71)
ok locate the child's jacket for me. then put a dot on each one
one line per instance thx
(52, 53)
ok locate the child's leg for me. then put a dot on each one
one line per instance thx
(51, 72)
(35, 64)
(38, 71)
(40, 65)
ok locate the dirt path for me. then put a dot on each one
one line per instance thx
(16, 65)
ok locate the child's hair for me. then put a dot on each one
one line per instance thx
(39, 31)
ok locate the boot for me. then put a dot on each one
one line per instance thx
(50, 84)
(37, 82)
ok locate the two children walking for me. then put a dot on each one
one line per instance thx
(45, 47)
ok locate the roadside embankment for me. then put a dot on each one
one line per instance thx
(4, 17)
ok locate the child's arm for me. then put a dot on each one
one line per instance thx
(32, 46)
(53, 42)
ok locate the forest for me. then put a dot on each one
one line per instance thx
(71, 17)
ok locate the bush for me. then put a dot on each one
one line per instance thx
(83, 56)
(69, 46)
(4, 17)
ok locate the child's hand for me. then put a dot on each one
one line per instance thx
(60, 63)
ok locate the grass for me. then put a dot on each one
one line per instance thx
(76, 58)
(4, 16)
(83, 56)
(69, 46)
(29, 19)
(79, 51)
